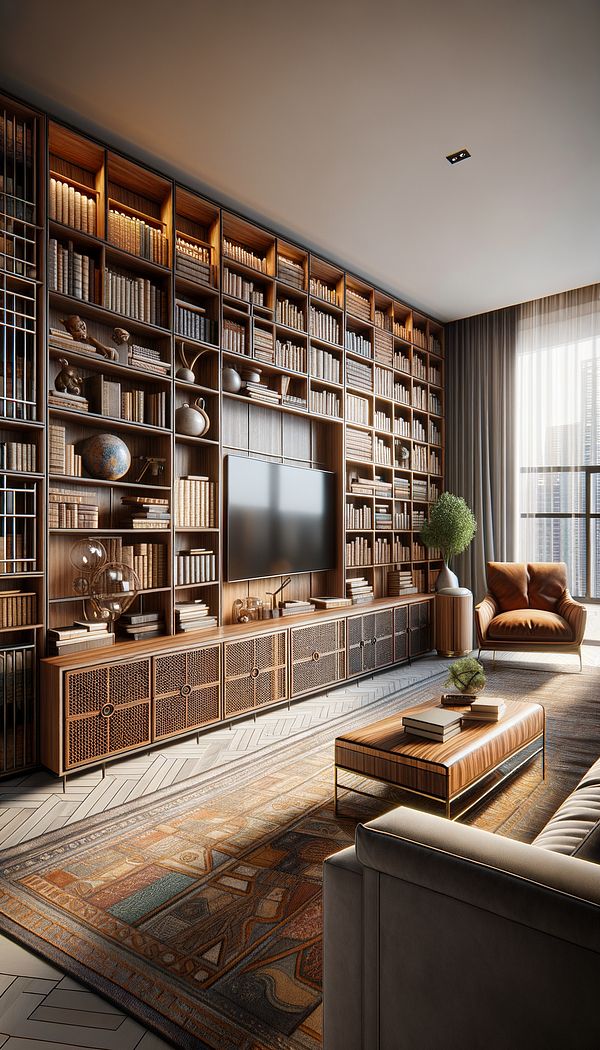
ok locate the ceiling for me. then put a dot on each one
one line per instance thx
(331, 120)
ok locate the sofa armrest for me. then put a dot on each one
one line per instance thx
(575, 614)
(342, 951)
(484, 614)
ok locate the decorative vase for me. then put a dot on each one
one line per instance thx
(105, 457)
(232, 380)
(446, 578)
(192, 420)
(185, 375)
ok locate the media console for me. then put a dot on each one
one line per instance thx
(116, 701)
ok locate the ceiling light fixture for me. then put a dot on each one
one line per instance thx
(461, 154)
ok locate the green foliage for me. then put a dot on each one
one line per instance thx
(466, 675)
(451, 526)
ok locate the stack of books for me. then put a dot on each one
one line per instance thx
(370, 487)
(136, 627)
(148, 359)
(193, 616)
(484, 710)
(295, 608)
(359, 305)
(331, 603)
(359, 444)
(147, 512)
(359, 590)
(61, 399)
(68, 510)
(289, 271)
(434, 723)
(383, 516)
(83, 634)
(400, 582)
(260, 392)
(264, 349)
(193, 260)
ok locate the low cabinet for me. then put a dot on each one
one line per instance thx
(318, 656)
(255, 673)
(187, 690)
(106, 711)
(370, 642)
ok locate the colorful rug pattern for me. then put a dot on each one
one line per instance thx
(198, 909)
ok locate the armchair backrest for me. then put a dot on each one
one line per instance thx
(536, 585)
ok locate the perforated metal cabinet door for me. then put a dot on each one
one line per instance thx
(255, 672)
(370, 642)
(107, 710)
(187, 690)
(318, 655)
(401, 634)
(420, 628)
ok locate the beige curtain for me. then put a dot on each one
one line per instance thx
(481, 461)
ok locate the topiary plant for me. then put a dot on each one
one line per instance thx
(466, 675)
(451, 526)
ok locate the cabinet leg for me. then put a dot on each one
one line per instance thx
(64, 785)
(103, 771)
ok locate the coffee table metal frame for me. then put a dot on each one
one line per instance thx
(449, 800)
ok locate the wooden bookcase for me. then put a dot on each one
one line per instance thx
(355, 378)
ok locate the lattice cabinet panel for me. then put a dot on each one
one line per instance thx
(401, 634)
(255, 673)
(318, 656)
(420, 633)
(107, 710)
(187, 690)
(370, 642)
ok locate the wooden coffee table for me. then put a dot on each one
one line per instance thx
(444, 772)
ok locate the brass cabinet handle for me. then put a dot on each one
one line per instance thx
(185, 690)
(254, 673)
(316, 656)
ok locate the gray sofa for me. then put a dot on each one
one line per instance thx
(440, 935)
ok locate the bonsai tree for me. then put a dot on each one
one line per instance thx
(466, 675)
(451, 526)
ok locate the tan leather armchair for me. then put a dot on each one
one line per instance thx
(528, 608)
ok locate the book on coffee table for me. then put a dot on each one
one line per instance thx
(485, 711)
(435, 722)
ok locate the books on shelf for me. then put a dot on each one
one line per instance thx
(325, 403)
(69, 510)
(289, 271)
(196, 565)
(193, 616)
(261, 392)
(242, 288)
(237, 252)
(292, 607)
(137, 236)
(402, 331)
(289, 313)
(323, 365)
(148, 561)
(192, 322)
(194, 501)
(71, 272)
(400, 582)
(18, 456)
(147, 513)
(79, 637)
(136, 297)
(382, 421)
(359, 445)
(148, 359)
(289, 355)
(359, 375)
(434, 723)
(357, 343)
(324, 291)
(357, 409)
(357, 304)
(71, 206)
(17, 608)
(60, 399)
(370, 487)
(324, 325)
(331, 603)
(358, 517)
(383, 382)
(383, 321)
(359, 590)
(263, 344)
(136, 627)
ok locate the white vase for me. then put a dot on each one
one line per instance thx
(446, 578)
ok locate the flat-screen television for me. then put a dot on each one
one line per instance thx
(280, 519)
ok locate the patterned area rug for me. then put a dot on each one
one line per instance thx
(198, 909)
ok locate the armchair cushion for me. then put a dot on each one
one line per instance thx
(507, 583)
(547, 584)
(529, 625)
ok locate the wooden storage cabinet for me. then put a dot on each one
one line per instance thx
(420, 628)
(106, 710)
(318, 656)
(370, 642)
(255, 673)
(187, 690)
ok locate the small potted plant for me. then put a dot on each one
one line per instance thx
(450, 529)
(467, 676)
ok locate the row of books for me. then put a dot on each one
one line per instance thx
(195, 502)
(419, 338)
(401, 331)
(237, 252)
(323, 365)
(196, 565)
(357, 409)
(193, 616)
(384, 382)
(71, 206)
(17, 456)
(324, 325)
(242, 288)
(359, 517)
(357, 304)
(357, 343)
(435, 434)
(358, 551)
(135, 297)
(418, 519)
(290, 355)
(290, 314)
(147, 512)
(435, 375)
(384, 348)
(383, 320)
(401, 361)
(400, 552)
(401, 427)
(435, 404)
(148, 359)
(69, 510)
(419, 552)
(382, 451)
(382, 552)
(324, 291)
(401, 394)
(71, 272)
(134, 235)
(325, 403)
(192, 322)
(62, 458)
(418, 431)
(290, 271)
(107, 398)
(419, 368)
(359, 375)
(17, 608)
(359, 445)
(402, 516)
(233, 336)
(16, 550)
(382, 421)
(148, 561)
(359, 590)
(79, 636)
(419, 397)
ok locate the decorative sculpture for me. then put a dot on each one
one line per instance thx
(186, 374)
(68, 380)
(77, 328)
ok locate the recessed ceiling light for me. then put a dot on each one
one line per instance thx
(461, 154)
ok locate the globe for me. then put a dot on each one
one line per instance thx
(105, 457)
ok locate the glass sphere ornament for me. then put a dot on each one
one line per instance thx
(114, 587)
(86, 556)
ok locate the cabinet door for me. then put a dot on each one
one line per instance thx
(318, 656)
(370, 642)
(420, 628)
(187, 690)
(255, 672)
(401, 634)
(107, 710)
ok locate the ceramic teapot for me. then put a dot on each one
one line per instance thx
(192, 420)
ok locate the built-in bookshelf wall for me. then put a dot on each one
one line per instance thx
(337, 375)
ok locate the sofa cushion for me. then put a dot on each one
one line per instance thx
(575, 827)
(547, 584)
(507, 582)
(529, 625)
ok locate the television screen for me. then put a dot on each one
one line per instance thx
(280, 519)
